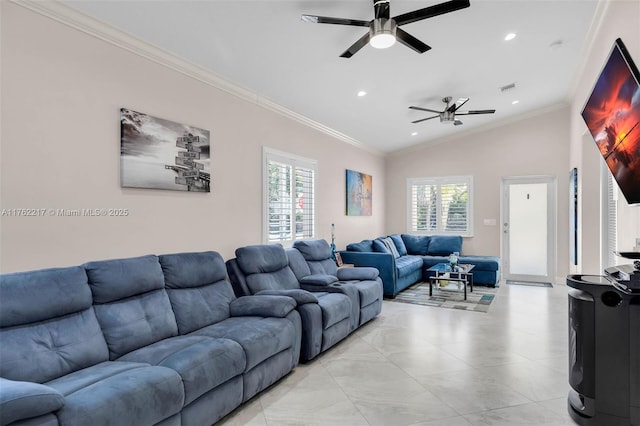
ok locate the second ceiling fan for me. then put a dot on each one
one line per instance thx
(448, 115)
(384, 30)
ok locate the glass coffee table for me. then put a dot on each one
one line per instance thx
(460, 275)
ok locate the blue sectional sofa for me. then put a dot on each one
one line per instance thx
(330, 309)
(403, 259)
(140, 341)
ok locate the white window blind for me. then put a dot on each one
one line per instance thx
(441, 205)
(289, 205)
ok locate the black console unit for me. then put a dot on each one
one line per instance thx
(604, 351)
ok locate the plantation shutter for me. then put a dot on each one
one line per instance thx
(440, 205)
(290, 197)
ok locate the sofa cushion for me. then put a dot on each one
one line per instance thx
(130, 302)
(362, 246)
(408, 264)
(197, 288)
(482, 263)
(23, 400)
(114, 392)
(121, 278)
(202, 362)
(49, 328)
(400, 246)
(260, 338)
(442, 245)
(313, 249)
(259, 259)
(380, 247)
(335, 308)
(416, 244)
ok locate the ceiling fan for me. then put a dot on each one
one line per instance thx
(448, 115)
(384, 30)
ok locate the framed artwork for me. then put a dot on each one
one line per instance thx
(573, 216)
(160, 154)
(359, 193)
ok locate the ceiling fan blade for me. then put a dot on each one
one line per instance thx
(425, 119)
(410, 41)
(381, 8)
(458, 104)
(431, 11)
(362, 42)
(338, 21)
(479, 111)
(457, 123)
(425, 109)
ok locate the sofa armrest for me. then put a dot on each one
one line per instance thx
(302, 297)
(262, 306)
(319, 279)
(23, 400)
(383, 262)
(360, 273)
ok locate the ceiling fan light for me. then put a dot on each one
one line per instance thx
(382, 34)
(382, 40)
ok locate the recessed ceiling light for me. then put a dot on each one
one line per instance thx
(510, 36)
(414, 134)
(362, 93)
(515, 102)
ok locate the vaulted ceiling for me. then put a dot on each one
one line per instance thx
(264, 47)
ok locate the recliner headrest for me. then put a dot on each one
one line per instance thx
(313, 249)
(259, 259)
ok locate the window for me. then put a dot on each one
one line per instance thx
(289, 197)
(442, 205)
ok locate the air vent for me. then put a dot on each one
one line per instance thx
(507, 88)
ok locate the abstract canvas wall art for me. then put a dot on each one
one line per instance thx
(160, 154)
(359, 193)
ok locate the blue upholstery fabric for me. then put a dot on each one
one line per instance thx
(260, 338)
(362, 246)
(267, 372)
(313, 249)
(197, 289)
(264, 306)
(442, 245)
(22, 400)
(117, 279)
(202, 363)
(33, 296)
(408, 264)
(380, 247)
(400, 246)
(416, 244)
(132, 394)
(335, 308)
(319, 279)
(136, 322)
(300, 296)
(213, 405)
(281, 279)
(297, 263)
(261, 258)
(391, 246)
(362, 273)
(49, 328)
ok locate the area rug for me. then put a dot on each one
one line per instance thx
(529, 283)
(448, 297)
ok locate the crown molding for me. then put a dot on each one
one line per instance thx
(70, 17)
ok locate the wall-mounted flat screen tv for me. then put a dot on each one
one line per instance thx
(612, 114)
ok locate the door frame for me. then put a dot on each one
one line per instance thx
(552, 190)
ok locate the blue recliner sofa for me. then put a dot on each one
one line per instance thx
(404, 259)
(140, 341)
(330, 310)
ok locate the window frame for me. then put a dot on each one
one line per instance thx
(439, 181)
(295, 161)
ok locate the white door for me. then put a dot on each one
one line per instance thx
(528, 228)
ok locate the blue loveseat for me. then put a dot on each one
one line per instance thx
(140, 341)
(403, 259)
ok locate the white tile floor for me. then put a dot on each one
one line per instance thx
(418, 365)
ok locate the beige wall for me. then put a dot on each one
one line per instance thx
(619, 19)
(532, 146)
(62, 90)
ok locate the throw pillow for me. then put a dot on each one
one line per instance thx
(391, 246)
(397, 240)
(362, 246)
(379, 246)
